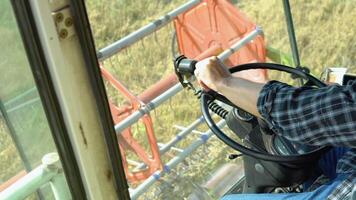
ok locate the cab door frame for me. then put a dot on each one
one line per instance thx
(66, 72)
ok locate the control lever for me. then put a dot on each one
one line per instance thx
(184, 69)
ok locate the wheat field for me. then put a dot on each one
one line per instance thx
(325, 39)
(325, 35)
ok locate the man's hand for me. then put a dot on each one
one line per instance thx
(211, 73)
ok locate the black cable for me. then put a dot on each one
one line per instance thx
(217, 109)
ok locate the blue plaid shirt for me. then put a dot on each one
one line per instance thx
(315, 116)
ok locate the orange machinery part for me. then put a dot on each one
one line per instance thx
(126, 141)
(133, 103)
(203, 31)
(206, 30)
(170, 80)
(218, 24)
(12, 180)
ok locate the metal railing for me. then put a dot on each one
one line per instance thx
(48, 172)
(145, 109)
(135, 116)
(146, 30)
(134, 194)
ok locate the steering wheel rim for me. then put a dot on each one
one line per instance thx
(290, 159)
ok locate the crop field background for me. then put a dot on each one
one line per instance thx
(325, 33)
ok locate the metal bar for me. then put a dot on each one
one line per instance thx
(15, 139)
(181, 128)
(228, 52)
(28, 184)
(135, 116)
(60, 188)
(12, 180)
(134, 194)
(197, 132)
(128, 40)
(156, 89)
(133, 162)
(291, 33)
(172, 148)
(6, 104)
(177, 149)
(35, 179)
(181, 135)
(32, 101)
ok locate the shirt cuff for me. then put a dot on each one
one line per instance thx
(265, 103)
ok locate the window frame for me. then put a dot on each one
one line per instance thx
(35, 54)
(87, 44)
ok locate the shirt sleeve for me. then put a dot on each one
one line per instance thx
(315, 116)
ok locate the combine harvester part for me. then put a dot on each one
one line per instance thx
(143, 187)
(126, 116)
(204, 137)
(130, 39)
(126, 141)
(146, 108)
(247, 40)
(217, 24)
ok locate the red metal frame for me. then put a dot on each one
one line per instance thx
(217, 24)
(12, 180)
(126, 141)
(206, 30)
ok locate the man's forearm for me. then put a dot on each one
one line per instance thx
(242, 92)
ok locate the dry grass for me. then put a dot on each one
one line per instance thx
(143, 64)
(324, 38)
(324, 30)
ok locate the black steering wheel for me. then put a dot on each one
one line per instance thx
(287, 159)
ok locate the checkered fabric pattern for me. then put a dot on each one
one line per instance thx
(315, 116)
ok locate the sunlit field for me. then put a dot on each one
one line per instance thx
(324, 38)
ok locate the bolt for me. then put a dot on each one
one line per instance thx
(63, 33)
(50, 160)
(59, 17)
(68, 22)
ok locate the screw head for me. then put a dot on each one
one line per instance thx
(59, 17)
(68, 22)
(63, 33)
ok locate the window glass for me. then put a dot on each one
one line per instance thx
(25, 136)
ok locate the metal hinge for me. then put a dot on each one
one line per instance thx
(64, 23)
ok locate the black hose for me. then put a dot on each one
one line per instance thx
(217, 109)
